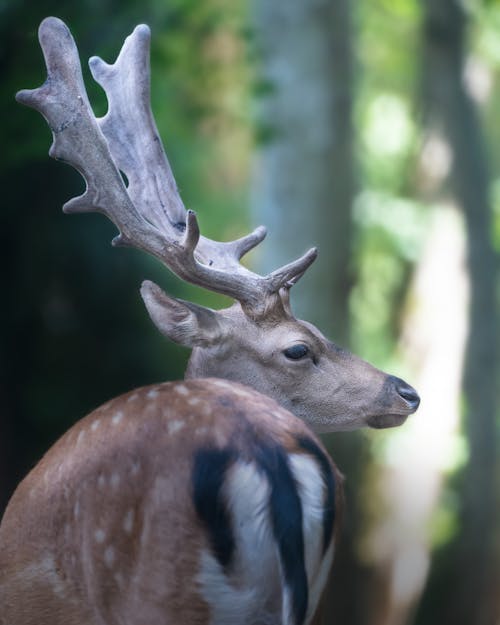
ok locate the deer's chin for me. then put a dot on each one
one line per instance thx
(379, 422)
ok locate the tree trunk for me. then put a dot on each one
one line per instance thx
(304, 178)
(470, 597)
(303, 191)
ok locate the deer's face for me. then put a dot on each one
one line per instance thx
(291, 361)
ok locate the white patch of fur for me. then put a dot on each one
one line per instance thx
(318, 584)
(99, 535)
(95, 425)
(288, 618)
(175, 425)
(61, 468)
(312, 493)
(241, 392)
(279, 416)
(252, 592)
(44, 569)
(224, 384)
(80, 437)
(132, 397)
(153, 393)
(229, 604)
(182, 389)
(117, 417)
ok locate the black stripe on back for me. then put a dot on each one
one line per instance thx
(209, 472)
(311, 447)
(286, 516)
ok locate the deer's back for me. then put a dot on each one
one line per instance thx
(115, 539)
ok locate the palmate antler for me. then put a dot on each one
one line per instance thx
(149, 212)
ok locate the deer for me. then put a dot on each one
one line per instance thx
(205, 501)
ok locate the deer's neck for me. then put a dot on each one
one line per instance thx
(195, 366)
(208, 363)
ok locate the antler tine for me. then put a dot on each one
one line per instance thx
(63, 101)
(289, 274)
(149, 213)
(139, 155)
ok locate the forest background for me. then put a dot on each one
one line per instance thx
(368, 128)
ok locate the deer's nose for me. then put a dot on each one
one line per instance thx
(408, 393)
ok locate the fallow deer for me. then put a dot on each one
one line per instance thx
(198, 502)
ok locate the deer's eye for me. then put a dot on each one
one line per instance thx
(296, 352)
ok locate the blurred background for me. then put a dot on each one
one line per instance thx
(369, 128)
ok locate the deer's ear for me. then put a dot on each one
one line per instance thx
(182, 322)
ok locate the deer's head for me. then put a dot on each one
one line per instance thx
(284, 358)
(257, 341)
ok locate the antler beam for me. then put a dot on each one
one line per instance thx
(149, 212)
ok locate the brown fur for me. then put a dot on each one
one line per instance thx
(101, 531)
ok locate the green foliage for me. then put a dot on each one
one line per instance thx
(75, 329)
(390, 223)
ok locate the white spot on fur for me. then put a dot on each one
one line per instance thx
(109, 556)
(280, 416)
(80, 437)
(99, 535)
(95, 425)
(128, 521)
(153, 393)
(46, 570)
(175, 426)
(117, 417)
(182, 389)
(193, 400)
(223, 384)
(242, 392)
(132, 397)
(60, 469)
(115, 480)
